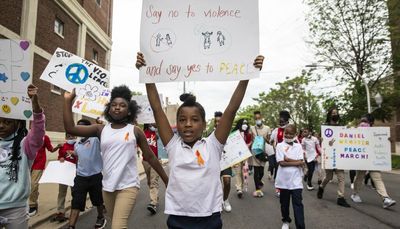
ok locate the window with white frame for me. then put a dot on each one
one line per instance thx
(95, 56)
(55, 89)
(59, 27)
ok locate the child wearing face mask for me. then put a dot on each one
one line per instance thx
(367, 121)
(290, 158)
(65, 153)
(240, 168)
(194, 195)
(150, 131)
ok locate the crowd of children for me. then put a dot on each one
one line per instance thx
(197, 190)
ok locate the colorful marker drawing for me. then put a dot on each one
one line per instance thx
(77, 73)
(3, 77)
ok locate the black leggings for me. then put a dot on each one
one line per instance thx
(258, 175)
(352, 175)
(310, 172)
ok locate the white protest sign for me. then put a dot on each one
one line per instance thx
(68, 71)
(15, 76)
(199, 40)
(236, 150)
(363, 148)
(59, 173)
(146, 113)
(91, 100)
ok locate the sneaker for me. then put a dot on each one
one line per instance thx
(342, 202)
(277, 192)
(352, 186)
(269, 177)
(258, 193)
(32, 211)
(100, 223)
(320, 192)
(310, 187)
(285, 226)
(60, 217)
(356, 198)
(227, 206)
(388, 202)
(240, 194)
(152, 208)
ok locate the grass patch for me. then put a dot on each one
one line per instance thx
(395, 161)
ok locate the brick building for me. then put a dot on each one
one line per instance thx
(82, 27)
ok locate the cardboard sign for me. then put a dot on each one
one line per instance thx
(15, 76)
(68, 71)
(59, 173)
(236, 150)
(199, 40)
(363, 148)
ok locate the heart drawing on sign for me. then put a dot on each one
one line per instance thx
(27, 113)
(14, 100)
(24, 45)
(25, 76)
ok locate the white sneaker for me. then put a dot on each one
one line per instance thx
(356, 198)
(227, 206)
(352, 185)
(388, 202)
(285, 226)
(310, 188)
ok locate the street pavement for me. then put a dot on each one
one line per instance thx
(264, 212)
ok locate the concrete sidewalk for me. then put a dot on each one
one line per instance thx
(48, 202)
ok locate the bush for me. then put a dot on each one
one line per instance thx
(395, 161)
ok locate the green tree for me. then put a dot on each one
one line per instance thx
(291, 95)
(353, 36)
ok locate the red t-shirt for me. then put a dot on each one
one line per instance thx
(40, 161)
(152, 141)
(62, 152)
(280, 134)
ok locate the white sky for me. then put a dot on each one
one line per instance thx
(283, 32)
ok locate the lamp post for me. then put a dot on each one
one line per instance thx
(378, 97)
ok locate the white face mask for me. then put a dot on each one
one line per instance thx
(258, 122)
(152, 128)
(289, 140)
(244, 127)
(71, 142)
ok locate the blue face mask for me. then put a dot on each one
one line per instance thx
(71, 141)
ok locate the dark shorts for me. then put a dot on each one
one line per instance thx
(213, 221)
(226, 172)
(85, 185)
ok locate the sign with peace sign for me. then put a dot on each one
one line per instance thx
(68, 71)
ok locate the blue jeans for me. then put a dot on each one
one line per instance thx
(298, 207)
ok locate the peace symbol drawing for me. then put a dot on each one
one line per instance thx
(328, 132)
(77, 73)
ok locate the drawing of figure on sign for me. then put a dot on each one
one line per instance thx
(220, 38)
(162, 40)
(168, 39)
(207, 39)
(158, 40)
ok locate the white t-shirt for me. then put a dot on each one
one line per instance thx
(309, 145)
(269, 149)
(289, 177)
(119, 152)
(194, 187)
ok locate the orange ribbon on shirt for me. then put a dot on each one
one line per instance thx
(127, 136)
(200, 160)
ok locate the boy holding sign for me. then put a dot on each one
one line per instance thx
(194, 194)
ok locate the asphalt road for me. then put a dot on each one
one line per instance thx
(251, 212)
